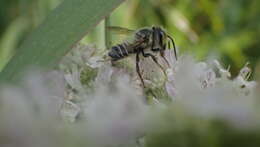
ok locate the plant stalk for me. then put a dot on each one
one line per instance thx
(107, 33)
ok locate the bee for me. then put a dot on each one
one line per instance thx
(153, 39)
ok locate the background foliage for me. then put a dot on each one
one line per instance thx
(228, 30)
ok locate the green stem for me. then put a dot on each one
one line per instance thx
(107, 33)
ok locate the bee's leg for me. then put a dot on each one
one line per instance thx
(174, 47)
(155, 60)
(163, 56)
(138, 69)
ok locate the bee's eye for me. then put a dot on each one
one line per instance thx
(161, 37)
(161, 34)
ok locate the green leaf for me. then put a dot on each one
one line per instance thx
(10, 39)
(64, 27)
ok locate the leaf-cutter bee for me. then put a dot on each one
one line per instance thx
(152, 38)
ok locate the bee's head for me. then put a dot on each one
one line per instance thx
(160, 40)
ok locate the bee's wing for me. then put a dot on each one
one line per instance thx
(120, 30)
(119, 34)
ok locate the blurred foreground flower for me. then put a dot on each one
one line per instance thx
(215, 95)
(30, 113)
(91, 103)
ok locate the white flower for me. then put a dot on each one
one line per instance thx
(29, 111)
(113, 110)
(223, 72)
(201, 92)
(104, 75)
(241, 81)
(73, 78)
(116, 114)
(79, 55)
(69, 111)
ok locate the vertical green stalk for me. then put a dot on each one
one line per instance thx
(107, 33)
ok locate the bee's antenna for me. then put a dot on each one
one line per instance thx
(175, 52)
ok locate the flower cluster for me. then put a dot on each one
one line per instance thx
(92, 103)
(209, 91)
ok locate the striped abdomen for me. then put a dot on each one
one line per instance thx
(119, 51)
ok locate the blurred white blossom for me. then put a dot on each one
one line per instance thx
(201, 91)
(110, 108)
(116, 115)
(30, 112)
(69, 111)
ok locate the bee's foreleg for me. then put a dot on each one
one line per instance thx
(174, 47)
(155, 60)
(163, 56)
(138, 69)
